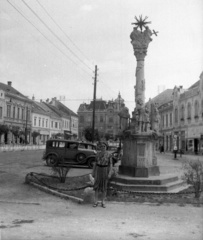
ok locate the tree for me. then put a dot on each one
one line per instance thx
(107, 136)
(16, 131)
(3, 129)
(193, 174)
(60, 173)
(87, 132)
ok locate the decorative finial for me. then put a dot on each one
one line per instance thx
(140, 23)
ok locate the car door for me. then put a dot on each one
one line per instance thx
(71, 150)
(60, 149)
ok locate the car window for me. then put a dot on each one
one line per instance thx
(90, 147)
(57, 144)
(52, 144)
(61, 144)
(72, 145)
(81, 146)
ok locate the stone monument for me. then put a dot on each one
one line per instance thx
(138, 170)
(139, 158)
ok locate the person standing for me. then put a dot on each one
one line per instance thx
(101, 173)
(175, 150)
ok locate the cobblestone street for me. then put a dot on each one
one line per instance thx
(28, 213)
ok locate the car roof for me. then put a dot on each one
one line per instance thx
(69, 141)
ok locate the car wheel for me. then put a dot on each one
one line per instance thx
(91, 162)
(81, 158)
(51, 160)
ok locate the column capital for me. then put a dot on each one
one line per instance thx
(140, 41)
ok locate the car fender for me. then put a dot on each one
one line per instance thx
(91, 156)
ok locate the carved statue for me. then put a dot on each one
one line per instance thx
(147, 120)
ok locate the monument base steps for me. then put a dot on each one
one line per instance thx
(169, 183)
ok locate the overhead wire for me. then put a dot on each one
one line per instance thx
(62, 30)
(45, 36)
(61, 41)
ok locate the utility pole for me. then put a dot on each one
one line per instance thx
(94, 99)
(26, 119)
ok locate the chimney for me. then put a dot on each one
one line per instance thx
(54, 101)
(40, 100)
(47, 101)
(33, 98)
(9, 83)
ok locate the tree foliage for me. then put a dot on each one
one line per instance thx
(193, 174)
(3, 129)
(60, 173)
(35, 134)
(88, 134)
(16, 131)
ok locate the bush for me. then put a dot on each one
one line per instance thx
(193, 174)
(60, 173)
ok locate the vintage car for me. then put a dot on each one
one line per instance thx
(63, 152)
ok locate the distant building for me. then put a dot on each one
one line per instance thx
(41, 119)
(70, 122)
(107, 120)
(181, 112)
(15, 113)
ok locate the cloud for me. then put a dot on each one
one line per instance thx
(87, 8)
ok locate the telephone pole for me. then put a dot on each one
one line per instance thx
(26, 120)
(94, 99)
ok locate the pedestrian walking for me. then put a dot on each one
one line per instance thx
(101, 173)
(175, 150)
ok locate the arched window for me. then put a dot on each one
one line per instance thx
(202, 106)
(196, 108)
(182, 112)
(189, 111)
(176, 115)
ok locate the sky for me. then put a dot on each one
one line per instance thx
(50, 48)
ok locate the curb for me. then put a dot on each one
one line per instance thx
(56, 193)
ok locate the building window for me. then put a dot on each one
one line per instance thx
(39, 122)
(182, 113)
(1, 112)
(46, 122)
(23, 112)
(82, 119)
(162, 120)
(101, 119)
(171, 119)
(176, 115)
(14, 112)
(202, 106)
(28, 115)
(52, 124)
(18, 114)
(166, 120)
(196, 109)
(56, 125)
(42, 122)
(35, 121)
(8, 111)
(110, 119)
(189, 111)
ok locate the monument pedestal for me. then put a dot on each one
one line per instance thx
(139, 156)
(139, 171)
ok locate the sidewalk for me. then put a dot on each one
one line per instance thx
(19, 147)
(183, 156)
